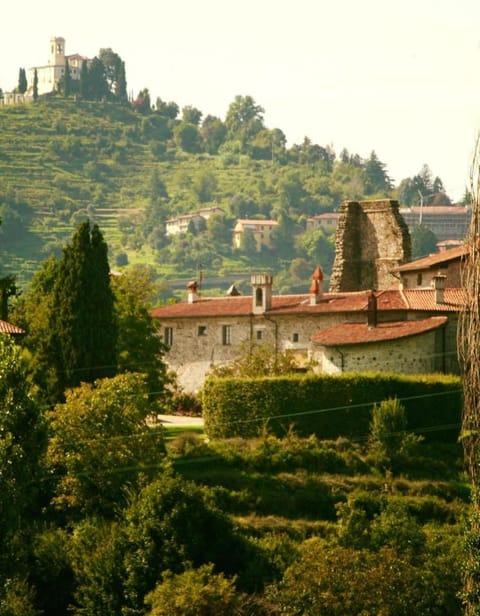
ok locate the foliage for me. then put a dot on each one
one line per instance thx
(195, 592)
(236, 406)
(172, 525)
(139, 346)
(17, 598)
(82, 323)
(101, 444)
(390, 443)
(22, 447)
(334, 580)
(257, 360)
(424, 242)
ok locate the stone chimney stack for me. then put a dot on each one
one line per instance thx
(262, 292)
(316, 288)
(372, 312)
(192, 287)
(439, 287)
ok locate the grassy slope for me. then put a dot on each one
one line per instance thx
(64, 159)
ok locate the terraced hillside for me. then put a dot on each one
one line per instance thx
(64, 160)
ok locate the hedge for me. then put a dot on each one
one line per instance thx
(329, 406)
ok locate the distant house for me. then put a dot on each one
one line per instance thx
(327, 221)
(10, 329)
(421, 273)
(260, 229)
(447, 222)
(180, 224)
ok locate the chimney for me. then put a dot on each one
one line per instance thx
(262, 292)
(439, 287)
(372, 310)
(316, 288)
(192, 291)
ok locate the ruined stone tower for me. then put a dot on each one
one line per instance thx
(372, 238)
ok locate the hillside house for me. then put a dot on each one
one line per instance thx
(178, 225)
(421, 273)
(260, 229)
(203, 332)
(447, 222)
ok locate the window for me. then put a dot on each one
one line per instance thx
(259, 297)
(226, 334)
(168, 336)
(202, 330)
(295, 337)
(419, 279)
(259, 334)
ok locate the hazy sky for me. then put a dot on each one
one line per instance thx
(398, 77)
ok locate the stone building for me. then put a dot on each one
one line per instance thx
(203, 332)
(421, 273)
(260, 229)
(371, 240)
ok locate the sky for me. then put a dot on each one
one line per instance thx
(400, 77)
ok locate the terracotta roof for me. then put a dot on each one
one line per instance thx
(354, 301)
(282, 304)
(424, 299)
(434, 260)
(256, 221)
(453, 210)
(361, 333)
(9, 328)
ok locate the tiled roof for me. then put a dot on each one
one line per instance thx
(357, 301)
(256, 222)
(361, 333)
(434, 260)
(9, 328)
(424, 299)
(436, 210)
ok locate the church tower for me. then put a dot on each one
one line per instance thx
(262, 292)
(57, 51)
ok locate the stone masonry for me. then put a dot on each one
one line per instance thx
(372, 239)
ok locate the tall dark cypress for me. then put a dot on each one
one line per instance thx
(83, 321)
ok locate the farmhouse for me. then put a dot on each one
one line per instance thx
(420, 273)
(260, 229)
(203, 332)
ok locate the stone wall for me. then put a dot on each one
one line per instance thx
(372, 238)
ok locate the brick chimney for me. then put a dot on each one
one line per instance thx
(192, 287)
(316, 288)
(372, 312)
(439, 281)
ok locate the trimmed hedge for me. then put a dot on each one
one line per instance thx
(329, 406)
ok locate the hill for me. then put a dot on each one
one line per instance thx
(130, 168)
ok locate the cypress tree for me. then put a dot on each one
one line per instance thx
(22, 81)
(35, 85)
(67, 80)
(84, 80)
(83, 320)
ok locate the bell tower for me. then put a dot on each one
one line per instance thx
(262, 293)
(57, 51)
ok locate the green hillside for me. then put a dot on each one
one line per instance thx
(129, 170)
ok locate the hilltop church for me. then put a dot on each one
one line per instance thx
(50, 74)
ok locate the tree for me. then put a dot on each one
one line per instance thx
(194, 592)
(35, 85)
(142, 103)
(187, 137)
(191, 115)
(82, 323)
(424, 241)
(168, 110)
(84, 86)
(97, 81)
(376, 177)
(22, 81)
(101, 444)
(22, 446)
(244, 119)
(172, 524)
(114, 71)
(139, 346)
(213, 132)
(67, 80)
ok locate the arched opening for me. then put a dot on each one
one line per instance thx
(259, 297)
